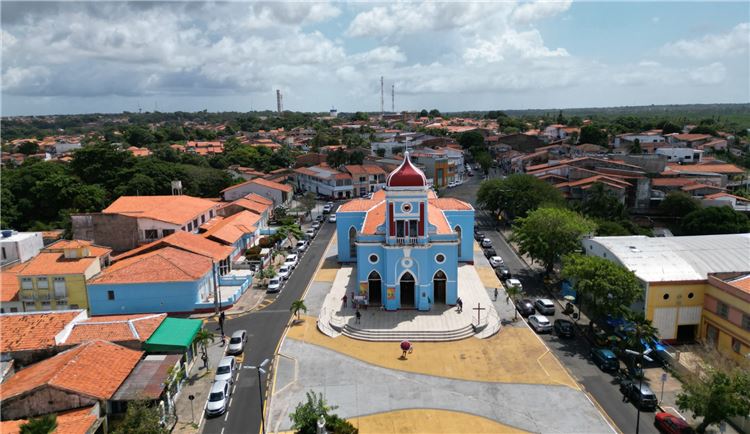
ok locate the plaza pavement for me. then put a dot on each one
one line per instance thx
(509, 382)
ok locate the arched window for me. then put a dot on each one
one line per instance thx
(439, 286)
(407, 287)
(458, 231)
(374, 288)
(352, 241)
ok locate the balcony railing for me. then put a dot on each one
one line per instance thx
(406, 240)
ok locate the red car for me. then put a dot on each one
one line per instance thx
(671, 424)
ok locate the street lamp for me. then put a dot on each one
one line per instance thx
(642, 355)
(260, 370)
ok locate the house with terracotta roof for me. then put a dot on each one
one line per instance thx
(238, 232)
(279, 194)
(79, 377)
(323, 180)
(366, 178)
(33, 336)
(253, 203)
(84, 420)
(56, 278)
(130, 331)
(10, 289)
(406, 242)
(134, 220)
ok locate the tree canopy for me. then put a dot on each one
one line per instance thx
(593, 134)
(715, 220)
(716, 396)
(471, 139)
(40, 425)
(305, 417)
(678, 204)
(516, 195)
(602, 203)
(547, 234)
(140, 418)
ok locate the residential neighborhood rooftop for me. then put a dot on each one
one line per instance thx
(171, 209)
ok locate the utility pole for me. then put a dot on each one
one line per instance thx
(393, 98)
(381, 96)
(279, 104)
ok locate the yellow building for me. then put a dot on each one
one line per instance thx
(56, 278)
(726, 314)
(674, 272)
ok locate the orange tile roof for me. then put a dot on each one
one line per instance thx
(185, 241)
(116, 328)
(743, 284)
(706, 168)
(671, 182)
(171, 209)
(234, 227)
(258, 198)
(33, 330)
(251, 205)
(436, 218)
(375, 217)
(725, 194)
(358, 205)
(369, 169)
(48, 263)
(93, 369)
(691, 137)
(698, 186)
(167, 264)
(78, 421)
(271, 184)
(9, 286)
(450, 204)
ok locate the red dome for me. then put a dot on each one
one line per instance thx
(406, 175)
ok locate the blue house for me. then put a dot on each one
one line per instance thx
(406, 242)
(168, 280)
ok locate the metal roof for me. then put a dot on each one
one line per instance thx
(146, 381)
(670, 259)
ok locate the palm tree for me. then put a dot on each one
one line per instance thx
(202, 338)
(642, 333)
(513, 291)
(297, 306)
(40, 425)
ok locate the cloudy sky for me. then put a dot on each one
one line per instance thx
(82, 57)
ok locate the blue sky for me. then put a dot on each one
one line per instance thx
(72, 57)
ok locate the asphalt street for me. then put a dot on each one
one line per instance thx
(572, 353)
(265, 329)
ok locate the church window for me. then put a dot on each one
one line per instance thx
(406, 207)
(439, 258)
(373, 259)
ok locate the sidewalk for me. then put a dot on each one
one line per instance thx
(197, 383)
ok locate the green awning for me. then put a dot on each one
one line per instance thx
(173, 335)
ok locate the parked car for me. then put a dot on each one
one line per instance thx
(488, 253)
(315, 225)
(327, 208)
(514, 282)
(496, 261)
(635, 370)
(310, 233)
(486, 242)
(237, 342)
(226, 369)
(218, 398)
(301, 246)
(332, 218)
(564, 328)
(639, 394)
(502, 272)
(321, 218)
(283, 272)
(525, 307)
(544, 306)
(540, 323)
(291, 261)
(478, 236)
(274, 285)
(671, 424)
(470, 173)
(605, 359)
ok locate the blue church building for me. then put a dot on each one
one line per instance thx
(406, 242)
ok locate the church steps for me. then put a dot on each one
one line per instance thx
(416, 336)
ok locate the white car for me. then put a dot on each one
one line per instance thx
(274, 285)
(540, 323)
(514, 282)
(327, 208)
(496, 261)
(310, 233)
(486, 242)
(283, 272)
(291, 261)
(237, 342)
(332, 218)
(301, 246)
(226, 369)
(315, 225)
(218, 399)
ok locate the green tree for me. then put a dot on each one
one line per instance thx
(305, 417)
(669, 128)
(424, 113)
(516, 195)
(715, 220)
(40, 425)
(356, 157)
(140, 418)
(547, 234)
(380, 152)
(101, 164)
(361, 116)
(471, 139)
(607, 228)
(28, 148)
(636, 148)
(485, 161)
(593, 134)
(435, 113)
(603, 204)
(606, 287)
(716, 396)
(139, 136)
(297, 306)
(308, 202)
(513, 291)
(337, 158)
(202, 338)
(679, 204)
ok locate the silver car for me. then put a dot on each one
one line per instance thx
(225, 370)
(237, 342)
(218, 399)
(540, 323)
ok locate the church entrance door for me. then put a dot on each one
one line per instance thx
(407, 286)
(374, 289)
(438, 285)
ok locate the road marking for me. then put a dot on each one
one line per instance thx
(222, 430)
(231, 399)
(226, 416)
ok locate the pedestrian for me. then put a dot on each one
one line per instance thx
(221, 322)
(359, 317)
(223, 339)
(406, 347)
(344, 299)
(496, 294)
(460, 305)
(204, 357)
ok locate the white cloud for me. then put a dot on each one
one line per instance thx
(389, 54)
(732, 43)
(650, 72)
(524, 45)
(714, 73)
(540, 9)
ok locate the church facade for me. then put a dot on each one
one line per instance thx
(406, 242)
